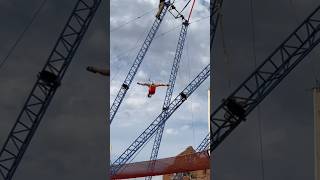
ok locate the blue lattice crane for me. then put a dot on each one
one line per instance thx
(216, 5)
(236, 107)
(215, 8)
(159, 121)
(136, 64)
(48, 81)
(167, 100)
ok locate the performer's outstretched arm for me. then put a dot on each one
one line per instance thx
(143, 84)
(157, 85)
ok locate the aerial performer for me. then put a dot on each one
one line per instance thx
(152, 87)
(104, 72)
(161, 6)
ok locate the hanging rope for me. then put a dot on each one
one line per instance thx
(258, 107)
(20, 37)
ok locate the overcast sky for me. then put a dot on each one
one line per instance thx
(286, 114)
(188, 125)
(70, 142)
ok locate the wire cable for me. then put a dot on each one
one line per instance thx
(189, 79)
(20, 37)
(136, 18)
(258, 107)
(127, 52)
(132, 20)
(159, 36)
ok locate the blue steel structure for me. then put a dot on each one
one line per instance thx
(45, 87)
(159, 121)
(204, 145)
(136, 64)
(265, 78)
(167, 100)
(215, 8)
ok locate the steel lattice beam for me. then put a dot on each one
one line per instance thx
(159, 121)
(204, 144)
(167, 100)
(45, 87)
(265, 78)
(136, 64)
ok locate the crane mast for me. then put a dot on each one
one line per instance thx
(48, 81)
(161, 119)
(167, 100)
(136, 64)
(264, 79)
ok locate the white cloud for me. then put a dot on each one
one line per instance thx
(142, 75)
(171, 131)
(136, 102)
(185, 127)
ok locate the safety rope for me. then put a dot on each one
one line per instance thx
(20, 37)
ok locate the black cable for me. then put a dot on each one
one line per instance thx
(4, 60)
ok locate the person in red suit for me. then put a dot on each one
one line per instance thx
(152, 87)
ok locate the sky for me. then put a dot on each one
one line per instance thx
(286, 114)
(70, 142)
(189, 124)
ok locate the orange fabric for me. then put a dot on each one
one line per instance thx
(181, 163)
